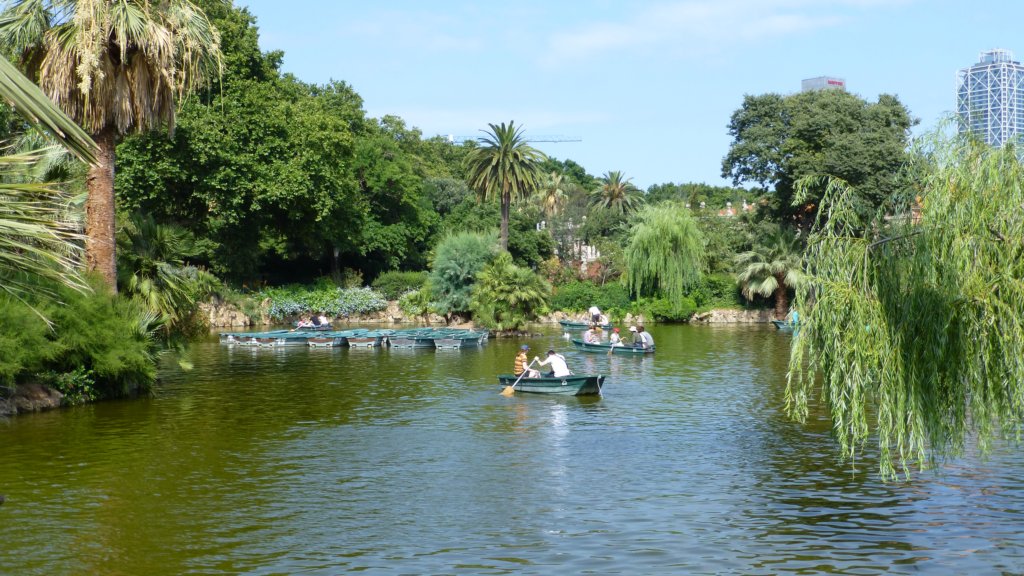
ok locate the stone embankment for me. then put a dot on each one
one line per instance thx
(29, 398)
(733, 316)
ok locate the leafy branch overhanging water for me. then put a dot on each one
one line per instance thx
(915, 321)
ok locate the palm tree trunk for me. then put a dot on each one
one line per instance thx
(506, 201)
(781, 301)
(100, 253)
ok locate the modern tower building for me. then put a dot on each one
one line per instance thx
(990, 98)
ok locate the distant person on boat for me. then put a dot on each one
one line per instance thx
(315, 322)
(303, 322)
(643, 339)
(793, 317)
(635, 338)
(558, 365)
(323, 319)
(591, 335)
(595, 314)
(615, 339)
(521, 363)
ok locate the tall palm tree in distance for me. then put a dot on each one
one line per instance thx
(551, 195)
(504, 166)
(617, 194)
(113, 67)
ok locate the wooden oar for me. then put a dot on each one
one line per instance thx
(510, 390)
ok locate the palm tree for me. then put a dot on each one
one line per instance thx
(113, 67)
(505, 166)
(37, 239)
(771, 268)
(616, 194)
(551, 195)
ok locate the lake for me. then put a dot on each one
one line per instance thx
(324, 461)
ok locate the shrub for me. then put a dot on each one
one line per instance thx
(664, 310)
(24, 346)
(579, 296)
(394, 284)
(457, 260)
(324, 297)
(77, 386)
(506, 296)
(416, 303)
(717, 291)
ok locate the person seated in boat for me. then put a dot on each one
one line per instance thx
(615, 339)
(557, 362)
(590, 335)
(521, 364)
(643, 338)
(314, 322)
(598, 334)
(603, 320)
(595, 314)
(324, 321)
(793, 317)
(304, 322)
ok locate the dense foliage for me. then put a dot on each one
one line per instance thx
(392, 285)
(665, 253)
(779, 139)
(102, 338)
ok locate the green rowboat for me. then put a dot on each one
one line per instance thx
(582, 385)
(604, 348)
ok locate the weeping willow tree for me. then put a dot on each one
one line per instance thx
(915, 321)
(665, 252)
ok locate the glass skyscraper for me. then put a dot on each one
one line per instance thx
(990, 98)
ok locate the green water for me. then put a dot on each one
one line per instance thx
(410, 462)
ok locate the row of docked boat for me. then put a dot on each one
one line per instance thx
(442, 338)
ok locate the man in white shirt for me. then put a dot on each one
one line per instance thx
(557, 362)
(595, 314)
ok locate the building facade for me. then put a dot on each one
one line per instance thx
(822, 83)
(990, 98)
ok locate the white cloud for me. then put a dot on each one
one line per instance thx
(693, 28)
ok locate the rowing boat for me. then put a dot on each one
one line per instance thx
(580, 325)
(605, 347)
(783, 325)
(575, 385)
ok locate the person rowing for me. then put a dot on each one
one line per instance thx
(559, 368)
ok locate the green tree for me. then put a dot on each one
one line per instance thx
(506, 167)
(665, 252)
(457, 261)
(772, 268)
(506, 296)
(912, 325)
(779, 139)
(616, 194)
(113, 67)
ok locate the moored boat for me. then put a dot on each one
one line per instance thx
(575, 385)
(325, 342)
(581, 325)
(605, 348)
(783, 325)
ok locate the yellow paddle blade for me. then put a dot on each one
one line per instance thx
(508, 391)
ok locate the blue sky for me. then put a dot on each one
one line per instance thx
(647, 86)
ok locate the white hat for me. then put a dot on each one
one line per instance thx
(632, 328)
